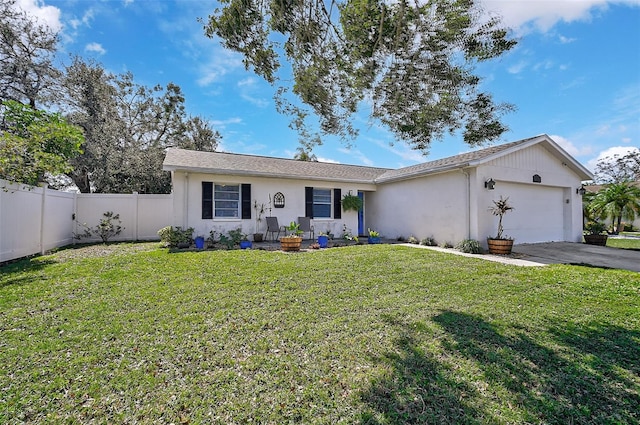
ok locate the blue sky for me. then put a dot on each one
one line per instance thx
(574, 75)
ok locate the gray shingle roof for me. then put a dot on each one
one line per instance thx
(262, 166)
(443, 164)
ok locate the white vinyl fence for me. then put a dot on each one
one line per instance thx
(34, 219)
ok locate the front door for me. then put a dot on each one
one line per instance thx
(361, 215)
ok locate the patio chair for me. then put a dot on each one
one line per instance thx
(305, 226)
(273, 227)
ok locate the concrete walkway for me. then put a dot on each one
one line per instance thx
(514, 261)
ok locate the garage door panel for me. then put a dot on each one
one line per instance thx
(538, 214)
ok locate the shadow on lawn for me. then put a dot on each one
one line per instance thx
(591, 377)
(18, 272)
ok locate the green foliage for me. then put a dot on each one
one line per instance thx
(351, 202)
(470, 246)
(171, 236)
(616, 201)
(500, 208)
(293, 228)
(108, 227)
(373, 233)
(233, 238)
(412, 239)
(412, 63)
(128, 127)
(595, 228)
(430, 241)
(35, 143)
(107, 334)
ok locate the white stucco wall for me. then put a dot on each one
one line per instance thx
(187, 191)
(433, 206)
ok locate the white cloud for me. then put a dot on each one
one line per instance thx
(517, 68)
(571, 147)
(46, 15)
(247, 87)
(221, 124)
(566, 40)
(96, 48)
(358, 155)
(542, 15)
(610, 152)
(329, 160)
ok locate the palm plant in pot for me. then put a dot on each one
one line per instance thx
(500, 244)
(595, 233)
(292, 241)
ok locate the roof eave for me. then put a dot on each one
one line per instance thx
(421, 173)
(246, 173)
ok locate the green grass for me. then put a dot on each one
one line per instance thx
(374, 334)
(628, 243)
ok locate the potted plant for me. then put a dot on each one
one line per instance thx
(351, 202)
(257, 236)
(292, 241)
(500, 245)
(595, 233)
(374, 237)
(245, 243)
(323, 240)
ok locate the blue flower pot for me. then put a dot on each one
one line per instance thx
(199, 242)
(245, 244)
(373, 239)
(323, 241)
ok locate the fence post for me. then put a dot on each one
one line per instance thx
(136, 199)
(43, 185)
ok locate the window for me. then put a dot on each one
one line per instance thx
(321, 203)
(226, 200)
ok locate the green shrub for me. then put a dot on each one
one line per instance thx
(413, 240)
(470, 246)
(430, 241)
(171, 237)
(105, 229)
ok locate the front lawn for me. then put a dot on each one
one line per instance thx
(626, 243)
(376, 334)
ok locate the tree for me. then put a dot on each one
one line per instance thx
(27, 49)
(303, 155)
(35, 143)
(617, 201)
(412, 63)
(128, 127)
(619, 169)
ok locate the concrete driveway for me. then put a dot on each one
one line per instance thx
(579, 253)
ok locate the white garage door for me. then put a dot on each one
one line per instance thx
(538, 214)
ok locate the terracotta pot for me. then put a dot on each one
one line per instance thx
(290, 243)
(600, 240)
(500, 246)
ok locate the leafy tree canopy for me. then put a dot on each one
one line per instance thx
(412, 63)
(27, 50)
(128, 127)
(619, 168)
(34, 143)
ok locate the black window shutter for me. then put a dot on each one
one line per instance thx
(308, 202)
(246, 201)
(207, 200)
(337, 204)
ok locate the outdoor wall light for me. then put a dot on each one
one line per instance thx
(489, 184)
(581, 190)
